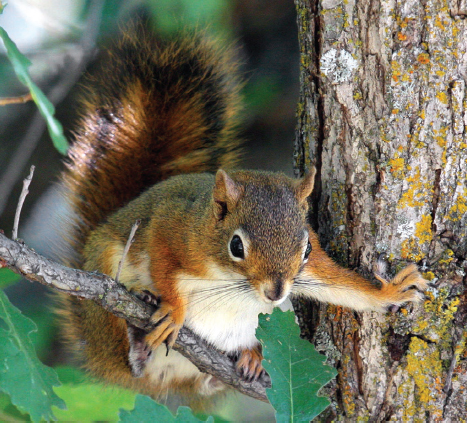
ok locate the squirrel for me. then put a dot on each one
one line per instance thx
(158, 141)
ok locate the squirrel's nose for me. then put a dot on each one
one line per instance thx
(275, 290)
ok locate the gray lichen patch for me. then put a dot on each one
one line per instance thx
(338, 65)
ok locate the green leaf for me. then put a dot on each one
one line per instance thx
(20, 65)
(297, 370)
(7, 278)
(8, 412)
(71, 375)
(22, 376)
(93, 402)
(148, 410)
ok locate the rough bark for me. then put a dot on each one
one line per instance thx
(382, 114)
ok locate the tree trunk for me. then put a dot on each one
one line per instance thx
(382, 114)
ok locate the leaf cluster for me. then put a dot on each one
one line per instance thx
(32, 391)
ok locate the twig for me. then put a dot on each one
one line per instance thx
(15, 100)
(127, 248)
(116, 299)
(36, 128)
(22, 197)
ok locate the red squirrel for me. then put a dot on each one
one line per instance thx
(158, 142)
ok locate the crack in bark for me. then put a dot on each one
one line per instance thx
(435, 200)
(317, 47)
(397, 345)
(448, 385)
(422, 338)
(358, 361)
(384, 412)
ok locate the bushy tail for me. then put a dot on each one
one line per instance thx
(154, 109)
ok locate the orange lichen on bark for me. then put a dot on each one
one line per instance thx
(413, 247)
(417, 193)
(397, 165)
(441, 96)
(424, 365)
(423, 58)
(423, 230)
(459, 209)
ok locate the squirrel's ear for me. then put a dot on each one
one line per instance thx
(226, 194)
(305, 186)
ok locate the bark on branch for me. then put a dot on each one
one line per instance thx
(117, 300)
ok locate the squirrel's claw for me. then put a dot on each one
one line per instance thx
(249, 365)
(407, 286)
(148, 297)
(166, 325)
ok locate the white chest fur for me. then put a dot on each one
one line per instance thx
(221, 309)
(222, 313)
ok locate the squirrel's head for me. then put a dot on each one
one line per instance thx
(260, 228)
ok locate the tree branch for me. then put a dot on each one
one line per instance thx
(116, 299)
(4, 101)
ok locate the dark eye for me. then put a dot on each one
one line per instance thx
(236, 247)
(307, 251)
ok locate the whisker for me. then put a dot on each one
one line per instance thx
(214, 288)
(302, 289)
(213, 280)
(206, 294)
(218, 303)
(315, 283)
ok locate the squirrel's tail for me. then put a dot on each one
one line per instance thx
(153, 110)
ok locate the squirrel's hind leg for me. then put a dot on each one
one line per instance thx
(139, 352)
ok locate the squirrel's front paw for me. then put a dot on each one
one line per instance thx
(407, 286)
(249, 365)
(167, 321)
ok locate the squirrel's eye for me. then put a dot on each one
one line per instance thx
(307, 251)
(236, 247)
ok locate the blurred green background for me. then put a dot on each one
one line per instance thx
(62, 39)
